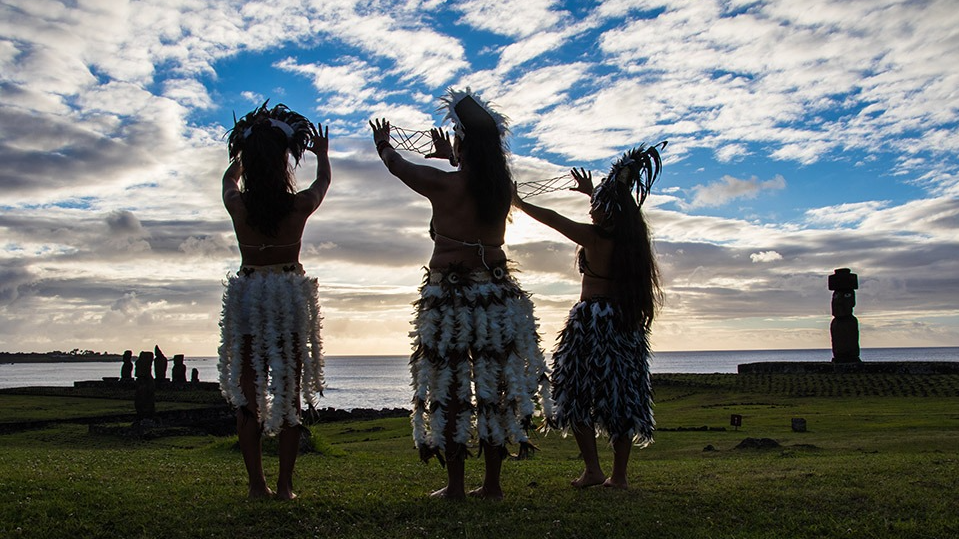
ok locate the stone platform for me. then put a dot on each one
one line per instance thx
(828, 367)
(166, 383)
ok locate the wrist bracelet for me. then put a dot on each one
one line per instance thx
(382, 144)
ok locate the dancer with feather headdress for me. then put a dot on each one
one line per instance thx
(600, 373)
(476, 365)
(270, 350)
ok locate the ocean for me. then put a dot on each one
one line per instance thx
(383, 381)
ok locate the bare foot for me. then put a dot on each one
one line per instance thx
(445, 494)
(259, 493)
(621, 485)
(285, 495)
(495, 495)
(588, 480)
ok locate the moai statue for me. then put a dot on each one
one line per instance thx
(179, 370)
(159, 366)
(126, 371)
(844, 328)
(145, 398)
(195, 376)
(144, 365)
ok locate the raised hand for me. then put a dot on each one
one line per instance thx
(443, 148)
(584, 181)
(381, 131)
(516, 201)
(319, 140)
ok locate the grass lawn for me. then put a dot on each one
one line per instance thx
(879, 459)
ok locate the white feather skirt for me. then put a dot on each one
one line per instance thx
(600, 375)
(278, 310)
(475, 340)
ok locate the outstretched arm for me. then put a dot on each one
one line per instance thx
(580, 233)
(422, 179)
(316, 192)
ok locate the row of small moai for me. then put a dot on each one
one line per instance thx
(156, 362)
(149, 369)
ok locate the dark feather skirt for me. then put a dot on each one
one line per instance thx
(475, 342)
(601, 374)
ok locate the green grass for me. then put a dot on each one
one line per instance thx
(882, 465)
(16, 408)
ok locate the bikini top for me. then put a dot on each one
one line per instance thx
(584, 268)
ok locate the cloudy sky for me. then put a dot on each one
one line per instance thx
(803, 137)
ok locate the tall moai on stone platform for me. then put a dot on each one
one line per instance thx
(159, 365)
(178, 373)
(844, 328)
(144, 400)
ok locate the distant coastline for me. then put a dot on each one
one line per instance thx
(59, 357)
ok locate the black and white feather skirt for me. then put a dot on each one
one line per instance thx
(277, 311)
(600, 374)
(475, 340)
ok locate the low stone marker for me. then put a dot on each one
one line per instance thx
(799, 424)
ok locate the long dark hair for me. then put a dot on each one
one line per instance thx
(264, 140)
(489, 178)
(268, 181)
(634, 268)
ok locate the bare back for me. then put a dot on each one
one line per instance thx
(460, 236)
(258, 249)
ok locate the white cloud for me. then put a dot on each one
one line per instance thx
(188, 93)
(761, 74)
(730, 152)
(419, 52)
(765, 256)
(844, 214)
(537, 90)
(253, 97)
(347, 85)
(516, 18)
(730, 188)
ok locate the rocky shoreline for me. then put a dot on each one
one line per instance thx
(53, 357)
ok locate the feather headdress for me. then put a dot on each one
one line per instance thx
(636, 170)
(297, 128)
(469, 112)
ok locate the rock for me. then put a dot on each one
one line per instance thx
(758, 443)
